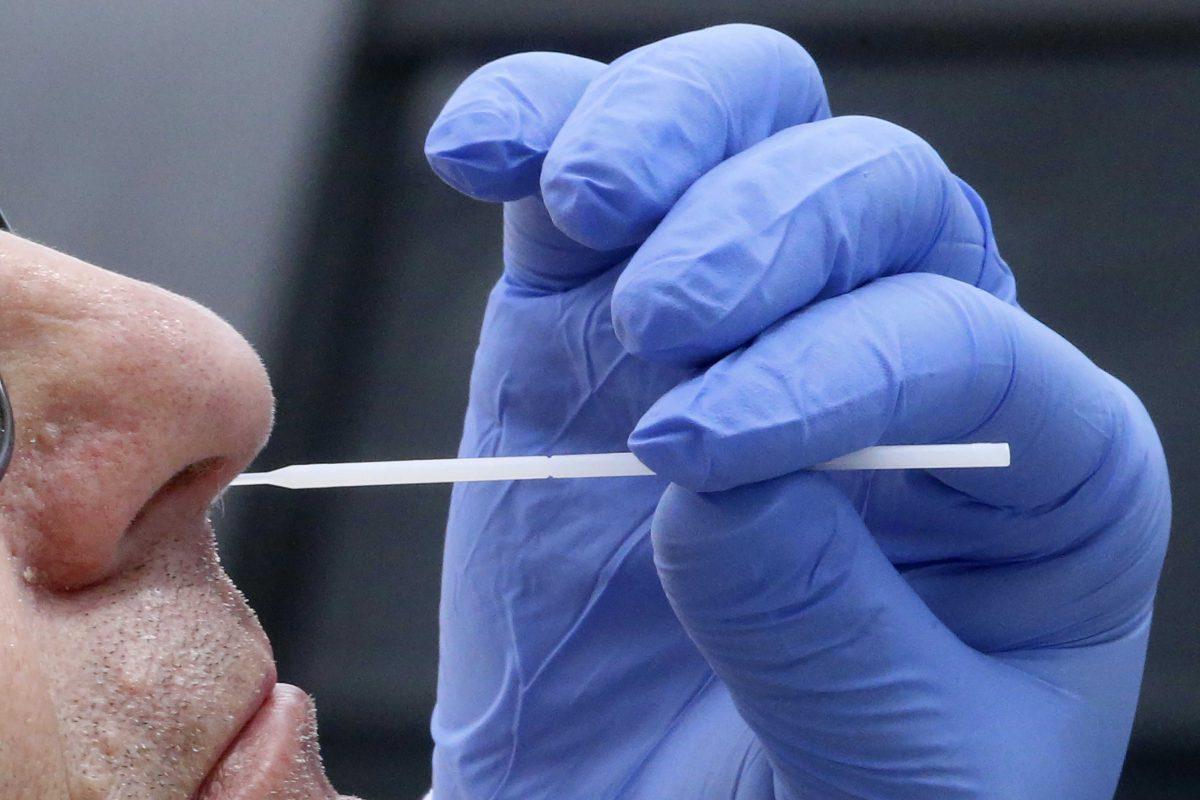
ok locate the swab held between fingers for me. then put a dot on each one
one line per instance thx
(595, 465)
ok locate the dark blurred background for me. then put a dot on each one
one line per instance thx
(266, 160)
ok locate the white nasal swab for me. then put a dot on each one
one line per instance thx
(594, 465)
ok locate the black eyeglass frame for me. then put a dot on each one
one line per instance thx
(8, 426)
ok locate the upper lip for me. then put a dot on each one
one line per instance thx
(249, 712)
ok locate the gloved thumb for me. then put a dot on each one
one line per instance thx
(852, 685)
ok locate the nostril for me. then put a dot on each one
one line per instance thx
(200, 478)
(203, 469)
(75, 554)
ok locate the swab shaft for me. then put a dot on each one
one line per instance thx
(594, 465)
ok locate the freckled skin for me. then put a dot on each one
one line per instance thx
(128, 661)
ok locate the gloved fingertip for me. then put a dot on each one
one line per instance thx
(682, 517)
(652, 321)
(724, 557)
(687, 521)
(482, 153)
(591, 205)
(676, 448)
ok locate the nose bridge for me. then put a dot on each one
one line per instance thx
(121, 391)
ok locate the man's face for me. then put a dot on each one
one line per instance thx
(130, 667)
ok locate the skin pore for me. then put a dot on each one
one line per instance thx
(130, 666)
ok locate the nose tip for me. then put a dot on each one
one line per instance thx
(127, 399)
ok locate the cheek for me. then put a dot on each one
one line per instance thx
(31, 757)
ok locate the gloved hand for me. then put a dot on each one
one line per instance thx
(696, 253)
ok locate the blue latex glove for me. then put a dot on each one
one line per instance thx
(695, 252)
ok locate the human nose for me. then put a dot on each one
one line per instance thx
(127, 399)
